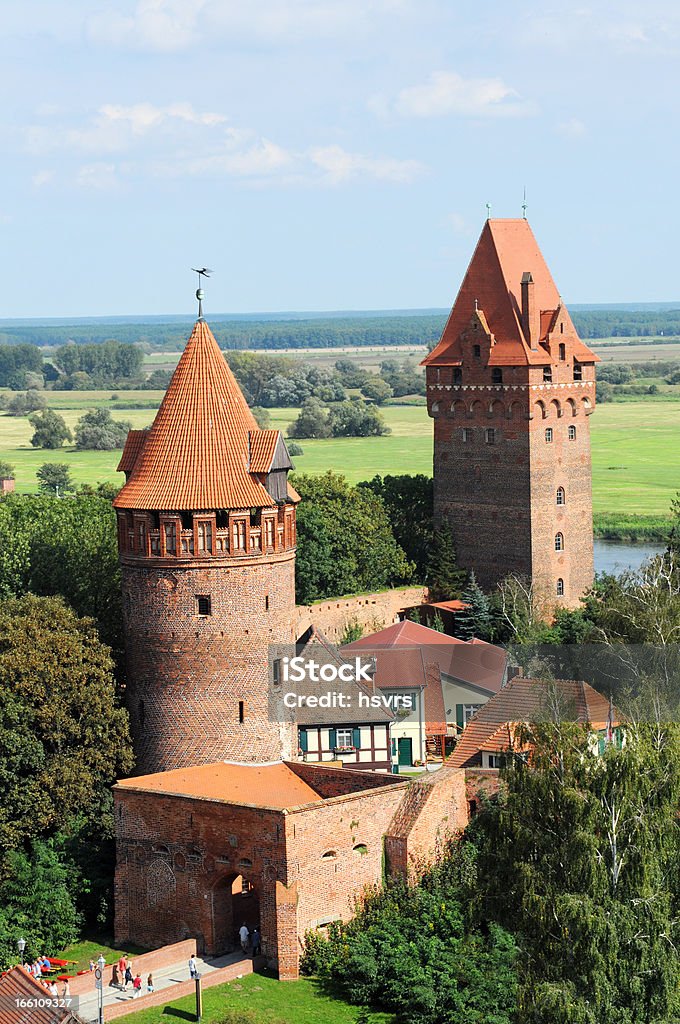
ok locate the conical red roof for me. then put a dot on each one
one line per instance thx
(505, 251)
(196, 453)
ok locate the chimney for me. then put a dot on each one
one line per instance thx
(530, 315)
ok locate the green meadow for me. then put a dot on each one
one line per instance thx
(636, 449)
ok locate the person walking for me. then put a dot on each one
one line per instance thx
(115, 978)
(149, 983)
(257, 942)
(66, 990)
(193, 967)
(129, 977)
(244, 936)
(122, 964)
(137, 986)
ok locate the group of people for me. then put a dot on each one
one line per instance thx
(38, 968)
(248, 939)
(122, 976)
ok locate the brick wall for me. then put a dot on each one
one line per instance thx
(330, 782)
(372, 611)
(434, 809)
(481, 784)
(185, 988)
(189, 675)
(165, 956)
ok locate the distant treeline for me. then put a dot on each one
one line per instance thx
(333, 332)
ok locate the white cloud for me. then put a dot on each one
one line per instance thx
(41, 178)
(339, 166)
(153, 24)
(98, 176)
(573, 128)
(448, 93)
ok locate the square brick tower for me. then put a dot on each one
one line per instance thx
(206, 535)
(510, 387)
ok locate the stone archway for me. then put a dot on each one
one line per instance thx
(234, 901)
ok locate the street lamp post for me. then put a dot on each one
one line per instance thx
(99, 982)
(21, 946)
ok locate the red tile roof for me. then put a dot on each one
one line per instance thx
(18, 984)
(134, 443)
(262, 785)
(262, 447)
(521, 700)
(196, 453)
(492, 285)
(473, 661)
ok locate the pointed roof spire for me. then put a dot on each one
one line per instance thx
(196, 454)
(506, 250)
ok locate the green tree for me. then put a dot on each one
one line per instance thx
(437, 622)
(64, 734)
(50, 430)
(409, 503)
(262, 416)
(352, 631)
(345, 541)
(475, 620)
(377, 389)
(351, 374)
(97, 430)
(445, 578)
(55, 478)
(23, 403)
(580, 856)
(356, 419)
(311, 422)
(295, 449)
(6, 470)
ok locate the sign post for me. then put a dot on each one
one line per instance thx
(199, 998)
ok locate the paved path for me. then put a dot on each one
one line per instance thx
(166, 977)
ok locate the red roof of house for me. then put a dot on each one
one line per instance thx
(17, 984)
(197, 453)
(262, 785)
(473, 661)
(492, 287)
(522, 700)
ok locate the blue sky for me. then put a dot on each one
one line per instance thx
(330, 154)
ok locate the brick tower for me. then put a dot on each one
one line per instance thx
(206, 535)
(510, 387)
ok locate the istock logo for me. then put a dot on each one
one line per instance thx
(297, 670)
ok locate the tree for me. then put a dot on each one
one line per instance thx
(351, 374)
(580, 856)
(475, 620)
(55, 478)
(262, 416)
(97, 430)
(345, 541)
(445, 579)
(295, 449)
(50, 430)
(312, 421)
(437, 622)
(377, 389)
(27, 402)
(64, 734)
(6, 470)
(409, 504)
(352, 631)
(357, 419)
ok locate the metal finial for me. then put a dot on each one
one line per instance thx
(524, 204)
(488, 211)
(476, 306)
(200, 295)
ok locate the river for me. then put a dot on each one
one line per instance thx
(617, 555)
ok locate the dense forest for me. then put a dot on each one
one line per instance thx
(310, 331)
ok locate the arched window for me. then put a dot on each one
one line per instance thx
(560, 588)
(435, 407)
(361, 849)
(560, 496)
(496, 375)
(572, 433)
(329, 855)
(559, 542)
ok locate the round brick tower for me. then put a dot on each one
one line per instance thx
(206, 535)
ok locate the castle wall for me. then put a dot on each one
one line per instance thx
(198, 685)
(371, 611)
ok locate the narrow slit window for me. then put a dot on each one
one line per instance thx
(204, 604)
(241, 712)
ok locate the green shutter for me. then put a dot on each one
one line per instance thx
(459, 716)
(356, 738)
(333, 738)
(303, 742)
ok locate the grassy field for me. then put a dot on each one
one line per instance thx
(636, 455)
(292, 1002)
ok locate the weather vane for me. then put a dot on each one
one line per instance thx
(488, 211)
(200, 294)
(524, 204)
